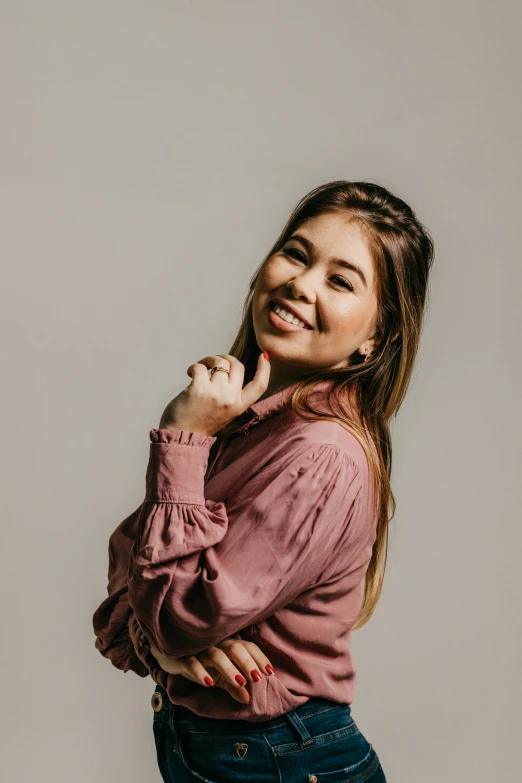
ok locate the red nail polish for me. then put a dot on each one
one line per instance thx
(240, 679)
(209, 680)
(269, 669)
(256, 676)
(265, 354)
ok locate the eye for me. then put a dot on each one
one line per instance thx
(292, 251)
(295, 253)
(344, 283)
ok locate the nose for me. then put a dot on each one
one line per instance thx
(302, 288)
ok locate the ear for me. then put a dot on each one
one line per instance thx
(367, 347)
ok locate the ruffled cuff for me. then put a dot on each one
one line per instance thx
(178, 462)
(183, 437)
(143, 652)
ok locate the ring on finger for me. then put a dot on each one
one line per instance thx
(219, 369)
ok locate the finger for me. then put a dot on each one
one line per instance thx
(239, 694)
(259, 383)
(219, 660)
(214, 360)
(198, 372)
(258, 656)
(194, 670)
(241, 653)
(236, 369)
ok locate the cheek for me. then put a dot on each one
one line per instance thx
(269, 277)
(350, 323)
(268, 280)
(262, 289)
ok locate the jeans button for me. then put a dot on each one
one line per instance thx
(312, 779)
(157, 701)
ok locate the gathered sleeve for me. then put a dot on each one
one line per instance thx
(119, 636)
(201, 570)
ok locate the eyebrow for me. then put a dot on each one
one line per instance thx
(340, 261)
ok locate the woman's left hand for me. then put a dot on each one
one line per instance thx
(221, 662)
(208, 404)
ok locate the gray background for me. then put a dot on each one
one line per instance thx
(150, 154)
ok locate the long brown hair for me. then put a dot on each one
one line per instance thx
(402, 251)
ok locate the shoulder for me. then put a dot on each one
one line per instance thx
(342, 461)
(333, 436)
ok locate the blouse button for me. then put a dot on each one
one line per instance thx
(312, 779)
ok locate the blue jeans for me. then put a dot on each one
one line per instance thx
(318, 742)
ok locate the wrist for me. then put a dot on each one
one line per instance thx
(167, 424)
(178, 427)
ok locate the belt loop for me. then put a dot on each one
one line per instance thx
(304, 735)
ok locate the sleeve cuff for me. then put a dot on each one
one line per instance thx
(177, 465)
(183, 437)
(142, 649)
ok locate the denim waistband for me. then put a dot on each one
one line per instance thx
(314, 706)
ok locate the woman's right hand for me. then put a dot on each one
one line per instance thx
(218, 662)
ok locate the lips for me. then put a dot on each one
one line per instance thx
(280, 324)
(290, 309)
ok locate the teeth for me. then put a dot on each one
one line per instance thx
(286, 316)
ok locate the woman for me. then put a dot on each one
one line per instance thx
(261, 542)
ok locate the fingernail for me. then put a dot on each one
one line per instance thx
(265, 354)
(209, 680)
(269, 669)
(240, 679)
(256, 675)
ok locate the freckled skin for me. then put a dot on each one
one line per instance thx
(343, 320)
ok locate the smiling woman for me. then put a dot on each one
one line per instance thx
(280, 536)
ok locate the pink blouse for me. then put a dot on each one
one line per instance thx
(271, 538)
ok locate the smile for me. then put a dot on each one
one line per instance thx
(285, 321)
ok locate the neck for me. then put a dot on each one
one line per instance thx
(274, 386)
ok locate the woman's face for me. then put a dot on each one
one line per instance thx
(338, 304)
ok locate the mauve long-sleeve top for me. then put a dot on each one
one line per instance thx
(271, 538)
